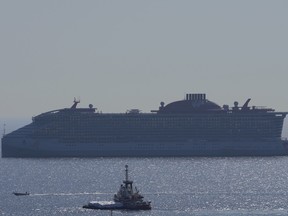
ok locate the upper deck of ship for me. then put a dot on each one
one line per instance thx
(192, 104)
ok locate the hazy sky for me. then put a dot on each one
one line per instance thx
(120, 55)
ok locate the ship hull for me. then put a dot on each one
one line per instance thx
(53, 148)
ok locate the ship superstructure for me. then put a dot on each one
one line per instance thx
(194, 126)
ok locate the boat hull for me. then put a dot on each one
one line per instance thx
(13, 147)
(116, 208)
(21, 194)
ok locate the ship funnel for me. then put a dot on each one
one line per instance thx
(197, 97)
(245, 106)
(75, 103)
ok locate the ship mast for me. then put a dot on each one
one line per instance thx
(128, 184)
(126, 171)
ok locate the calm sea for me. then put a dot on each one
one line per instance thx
(176, 186)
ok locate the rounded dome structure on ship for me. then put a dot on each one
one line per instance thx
(192, 103)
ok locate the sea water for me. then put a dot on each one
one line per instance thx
(175, 186)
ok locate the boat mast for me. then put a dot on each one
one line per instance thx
(126, 171)
(128, 184)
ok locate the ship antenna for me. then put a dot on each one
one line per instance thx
(128, 184)
(126, 171)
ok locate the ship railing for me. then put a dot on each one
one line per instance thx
(45, 114)
(264, 108)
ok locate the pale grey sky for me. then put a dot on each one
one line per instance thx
(120, 55)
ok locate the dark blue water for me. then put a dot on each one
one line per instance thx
(176, 186)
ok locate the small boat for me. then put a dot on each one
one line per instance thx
(21, 194)
(127, 198)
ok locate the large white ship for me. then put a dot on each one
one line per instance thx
(194, 126)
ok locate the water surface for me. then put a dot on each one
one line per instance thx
(176, 186)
